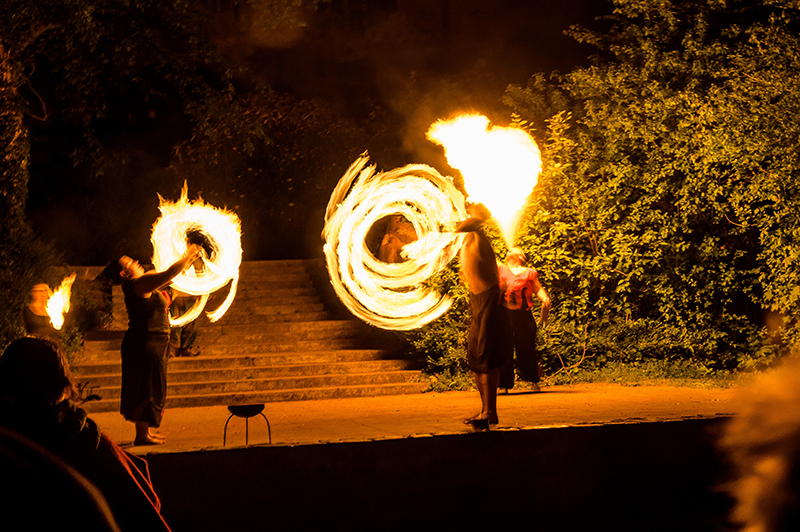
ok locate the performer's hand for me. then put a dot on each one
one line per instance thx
(194, 251)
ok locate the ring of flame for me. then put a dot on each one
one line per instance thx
(391, 296)
(221, 229)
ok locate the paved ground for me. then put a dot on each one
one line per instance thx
(420, 415)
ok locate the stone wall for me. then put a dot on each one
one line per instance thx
(638, 477)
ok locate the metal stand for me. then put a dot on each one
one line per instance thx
(246, 411)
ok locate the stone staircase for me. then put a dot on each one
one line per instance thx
(277, 342)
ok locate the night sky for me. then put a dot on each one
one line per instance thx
(424, 59)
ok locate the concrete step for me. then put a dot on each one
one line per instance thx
(280, 327)
(274, 383)
(113, 377)
(247, 292)
(296, 346)
(277, 332)
(241, 349)
(112, 366)
(272, 265)
(269, 396)
(238, 317)
(289, 303)
(221, 334)
(278, 310)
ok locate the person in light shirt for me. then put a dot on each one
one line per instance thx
(520, 284)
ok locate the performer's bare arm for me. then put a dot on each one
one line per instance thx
(152, 280)
(541, 293)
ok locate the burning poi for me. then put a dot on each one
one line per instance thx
(58, 302)
(386, 295)
(220, 231)
(500, 167)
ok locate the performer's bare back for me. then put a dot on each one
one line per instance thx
(478, 263)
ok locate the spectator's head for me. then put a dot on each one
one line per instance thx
(34, 372)
(763, 446)
(40, 293)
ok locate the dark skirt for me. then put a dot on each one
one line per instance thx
(489, 345)
(144, 376)
(523, 326)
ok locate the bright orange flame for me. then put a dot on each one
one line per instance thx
(58, 302)
(391, 296)
(500, 165)
(222, 232)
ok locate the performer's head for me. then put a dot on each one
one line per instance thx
(478, 210)
(122, 268)
(34, 372)
(515, 257)
(40, 293)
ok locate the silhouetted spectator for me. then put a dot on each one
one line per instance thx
(763, 445)
(44, 493)
(36, 401)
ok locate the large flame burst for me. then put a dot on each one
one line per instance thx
(391, 296)
(58, 302)
(220, 231)
(500, 165)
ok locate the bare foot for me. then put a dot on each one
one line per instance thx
(480, 424)
(469, 419)
(149, 440)
(492, 419)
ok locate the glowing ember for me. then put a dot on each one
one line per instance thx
(500, 165)
(220, 232)
(382, 294)
(58, 302)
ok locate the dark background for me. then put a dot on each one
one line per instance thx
(389, 68)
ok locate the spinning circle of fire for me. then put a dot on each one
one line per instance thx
(220, 233)
(382, 294)
(500, 167)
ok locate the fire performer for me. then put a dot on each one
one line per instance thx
(489, 343)
(519, 285)
(145, 346)
(37, 320)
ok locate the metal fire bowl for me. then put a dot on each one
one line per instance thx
(246, 410)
